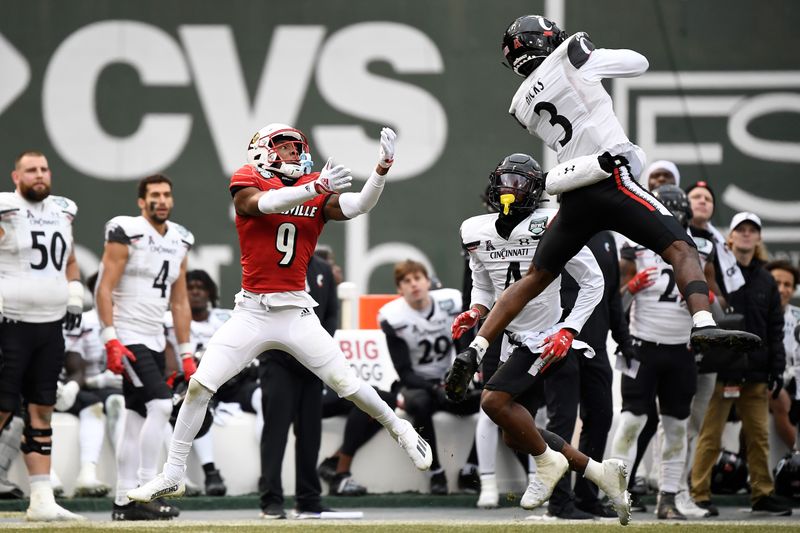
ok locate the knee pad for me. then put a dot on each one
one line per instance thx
(160, 407)
(31, 445)
(197, 392)
(340, 377)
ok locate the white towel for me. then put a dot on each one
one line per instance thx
(731, 274)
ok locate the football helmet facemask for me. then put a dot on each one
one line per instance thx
(528, 41)
(518, 175)
(263, 152)
(676, 201)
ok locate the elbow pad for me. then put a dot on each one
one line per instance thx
(574, 174)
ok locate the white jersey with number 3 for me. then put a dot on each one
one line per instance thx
(154, 261)
(34, 249)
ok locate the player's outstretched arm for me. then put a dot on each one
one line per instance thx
(350, 205)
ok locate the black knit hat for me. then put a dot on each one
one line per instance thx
(705, 185)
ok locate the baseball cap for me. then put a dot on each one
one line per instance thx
(745, 216)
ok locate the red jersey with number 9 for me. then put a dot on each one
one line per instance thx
(276, 248)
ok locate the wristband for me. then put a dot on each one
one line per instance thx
(185, 350)
(480, 345)
(75, 291)
(108, 334)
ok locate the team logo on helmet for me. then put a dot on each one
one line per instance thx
(528, 41)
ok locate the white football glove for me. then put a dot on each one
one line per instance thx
(333, 178)
(66, 393)
(386, 153)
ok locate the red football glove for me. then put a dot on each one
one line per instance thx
(189, 366)
(642, 279)
(556, 346)
(465, 322)
(115, 351)
(171, 380)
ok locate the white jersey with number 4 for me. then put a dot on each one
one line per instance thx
(154, 261)
(427, 333)
(34, 250)
(563, 101)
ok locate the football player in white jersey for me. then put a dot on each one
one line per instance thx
(417, 328)
(660, 324)
(206, 319)
(143, 272)
(501, 245)
(40, 290)
(785, 407)
(563, 102)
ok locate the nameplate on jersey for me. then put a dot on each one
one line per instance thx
(367, 352)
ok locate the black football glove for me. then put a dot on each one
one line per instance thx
(609, 162)
(775, 384)
(628, 351)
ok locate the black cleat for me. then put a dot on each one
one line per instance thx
(215, 485)
(343, 484)
(637, 506)
(458, 378)
(708, 506)
(666, 508)
(772, 505)
(713, 337)
(327, 468)
(155, 510)
(469, 480)
(439, 483)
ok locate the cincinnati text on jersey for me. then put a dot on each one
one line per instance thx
(504, 254)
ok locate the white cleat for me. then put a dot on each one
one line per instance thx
(490, 496)
(415, 446)
(686, 505)
(541, 487)
(44, 509)
(614, 483)
(158, 487)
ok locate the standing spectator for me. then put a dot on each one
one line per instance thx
(325, 252)
(143, 272)
(417, 328)
(292, 395)
(785, 407)
(40, 290)
(747, 388)
(660, 173)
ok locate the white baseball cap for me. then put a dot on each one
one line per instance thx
(745, 216)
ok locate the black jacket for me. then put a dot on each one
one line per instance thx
(758, 300)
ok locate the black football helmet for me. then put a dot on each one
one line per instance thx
(787, 475)
(528, 41)
(729, 474)
(521, 176)
(676, 201)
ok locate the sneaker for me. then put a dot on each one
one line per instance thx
(50, 511)
(685, 504)
(457, 380)
(469, 480)
(327, 468)
(215, 485)
(771, 505)
(490, 496)
(708, 506)
(637, 506)
(142, 511)
(158, 487)
(415, 446)
(439, 483)
(274, 511)
(305, 513)
(614, 483)
(9, 491)
(710, 337)
(600, 509)
(666, 509)
(570, 512)
(343, 484)
(541, 486)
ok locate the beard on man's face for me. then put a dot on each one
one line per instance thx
(35, 194)
(155, 215)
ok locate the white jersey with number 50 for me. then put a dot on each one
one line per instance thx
(154, 261)
(563, 101)
(34, 249)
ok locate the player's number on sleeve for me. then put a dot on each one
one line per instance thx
(161, 279)
(286, 242)
(439, 347)
(556, 120)
(54, 255)
(667, 295)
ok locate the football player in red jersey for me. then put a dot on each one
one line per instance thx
(281, 208)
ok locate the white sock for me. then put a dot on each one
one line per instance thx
(190, 420)
(486, 439)
(702, 319)
(673, 453)
(151, 438)
(594, 471)
(371, 403)
(624, 445)
(127, 455)
(546, 457)
(204, 448)
(91, 432)
(41, 490)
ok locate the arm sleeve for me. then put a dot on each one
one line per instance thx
(353, 204)
(285, 198)
(606, 63)
(584, 268)
(401, 358)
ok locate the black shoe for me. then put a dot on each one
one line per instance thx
(327, 468)
(439, 483)
(598, 508)
(570, 512)
(215, 485)
(457, 380)
(142, 511)
(274, 511)
(166, 508)
(343, 484)
(636, 504)
(772, 505)
(9, 491)
(708, 506)
(666, 509)
(311, 512)
(710, 337)
(469, 480)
